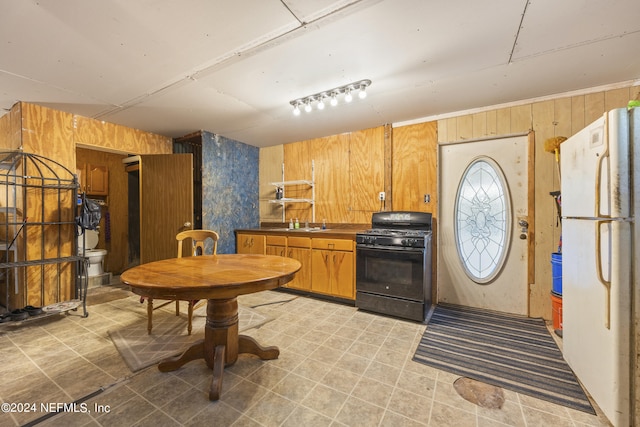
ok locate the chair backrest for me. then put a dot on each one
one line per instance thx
(198, 238)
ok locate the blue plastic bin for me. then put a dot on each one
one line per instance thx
(556, 272)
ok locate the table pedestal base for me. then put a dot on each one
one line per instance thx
(221, 344)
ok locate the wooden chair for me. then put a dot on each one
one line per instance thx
(198, 242)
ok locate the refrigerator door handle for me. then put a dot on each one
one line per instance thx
(605, 283)
(603, 156)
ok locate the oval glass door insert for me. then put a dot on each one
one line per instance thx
(482, 223)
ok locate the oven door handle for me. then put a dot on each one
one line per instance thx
(396, 249)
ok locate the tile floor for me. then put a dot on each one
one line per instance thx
(337, 367)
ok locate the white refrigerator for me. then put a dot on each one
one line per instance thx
(600, 257)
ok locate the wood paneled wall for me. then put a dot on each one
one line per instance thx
(414, 168)
(349, 173)
(54, 134)
(48, 132)
(334, 195)
(106, 136)
(11, 129)
(367, 172)
(351, 170)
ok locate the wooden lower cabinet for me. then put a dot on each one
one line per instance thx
(328, 265)
(333, 267)
(276, 245)
(299, 248)
(250, 244)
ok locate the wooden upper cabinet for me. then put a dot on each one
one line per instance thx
(97, 180)
(414, 168)
(94, 179)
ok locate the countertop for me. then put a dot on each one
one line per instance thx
(314, 232)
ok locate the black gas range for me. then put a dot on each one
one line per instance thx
(393, 265)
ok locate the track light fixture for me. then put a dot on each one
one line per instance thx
(332, 94)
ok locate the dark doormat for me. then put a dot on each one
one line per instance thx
(513, 352)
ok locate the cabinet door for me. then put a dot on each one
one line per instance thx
(258, 245)
(275, 250)
(321, 268)
(97, 180)
(243, 244)
(250, 244)
(342, 282)
(276, 245)
(302, 279)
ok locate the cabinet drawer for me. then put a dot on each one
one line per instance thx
(299, 242)
(332, 244)
(277, 240)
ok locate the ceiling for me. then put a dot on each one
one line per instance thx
(232, 67)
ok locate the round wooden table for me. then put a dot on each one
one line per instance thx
(219, 279)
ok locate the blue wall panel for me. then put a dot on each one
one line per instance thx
(229, 188)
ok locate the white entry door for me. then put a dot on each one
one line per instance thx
(483, 228)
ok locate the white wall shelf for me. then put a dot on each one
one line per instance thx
(284, 200)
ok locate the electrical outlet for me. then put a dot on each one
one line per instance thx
(381, 196)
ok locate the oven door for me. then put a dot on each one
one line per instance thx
(393, 271)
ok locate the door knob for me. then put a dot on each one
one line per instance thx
(524, 228)
(185, 226)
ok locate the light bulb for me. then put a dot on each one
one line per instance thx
(296, 110)
(321, 102)
(307, 106)
(347, 95)
(363, 92)
(334, 99)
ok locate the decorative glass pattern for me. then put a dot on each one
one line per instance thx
(482, 222)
